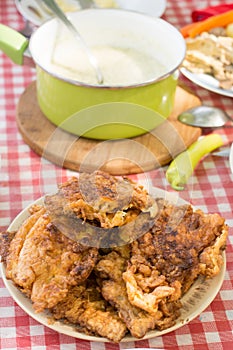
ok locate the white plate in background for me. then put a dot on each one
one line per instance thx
(154, 8)
(34, 11)
(207, 82)
(231, 158)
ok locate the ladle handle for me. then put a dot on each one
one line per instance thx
(60, 14)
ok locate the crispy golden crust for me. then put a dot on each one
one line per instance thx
(166, 261)
(101, 193)
(110, 271)
(102, 198)
(85, 306)
(100, 210)
(211, 259)
(44, 263)
(5, 241)
(163, 264)
(110, 290)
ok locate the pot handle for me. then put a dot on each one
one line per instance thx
(13, 44)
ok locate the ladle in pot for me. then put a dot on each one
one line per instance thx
(51, 4)
(205, 117)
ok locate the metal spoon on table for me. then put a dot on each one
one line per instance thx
(205, 117)
(51, 4)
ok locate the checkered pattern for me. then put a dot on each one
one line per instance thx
(24, 177)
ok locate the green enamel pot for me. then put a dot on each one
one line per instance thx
(112, 110)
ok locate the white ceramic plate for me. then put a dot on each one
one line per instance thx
(196, 300)
(231, 158)
(207, 82)
(35, 12)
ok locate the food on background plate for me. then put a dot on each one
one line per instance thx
(200, 14)
(210, 48)
(194, 29)
(106, 3)
(126, 288)
(229, 30)
(211, 54)
(73, 5)
(65, 5)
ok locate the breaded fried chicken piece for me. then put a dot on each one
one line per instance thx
(149, 301)
(138, 322)
(211, 258)
(85, 306)
(179, 237)
(5, 241)
(109, 271)
(166, 261)
(44, 263)
(102, 197)
(99, 193)
(101, 210)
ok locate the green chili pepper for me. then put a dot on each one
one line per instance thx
(182, 167)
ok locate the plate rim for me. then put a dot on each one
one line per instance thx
(195, 79)
(231, 157)
(20, 5)
(58, 326)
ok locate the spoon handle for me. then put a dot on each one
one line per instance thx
(61, 15)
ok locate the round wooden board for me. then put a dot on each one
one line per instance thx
(118, 157)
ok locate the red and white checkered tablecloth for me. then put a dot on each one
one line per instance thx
(24, 177)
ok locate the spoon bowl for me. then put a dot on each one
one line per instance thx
(205, 117)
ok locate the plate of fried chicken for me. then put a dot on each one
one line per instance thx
(209, 61)
(103, 259)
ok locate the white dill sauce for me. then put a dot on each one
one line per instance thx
(119, 66)
(127, 66)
